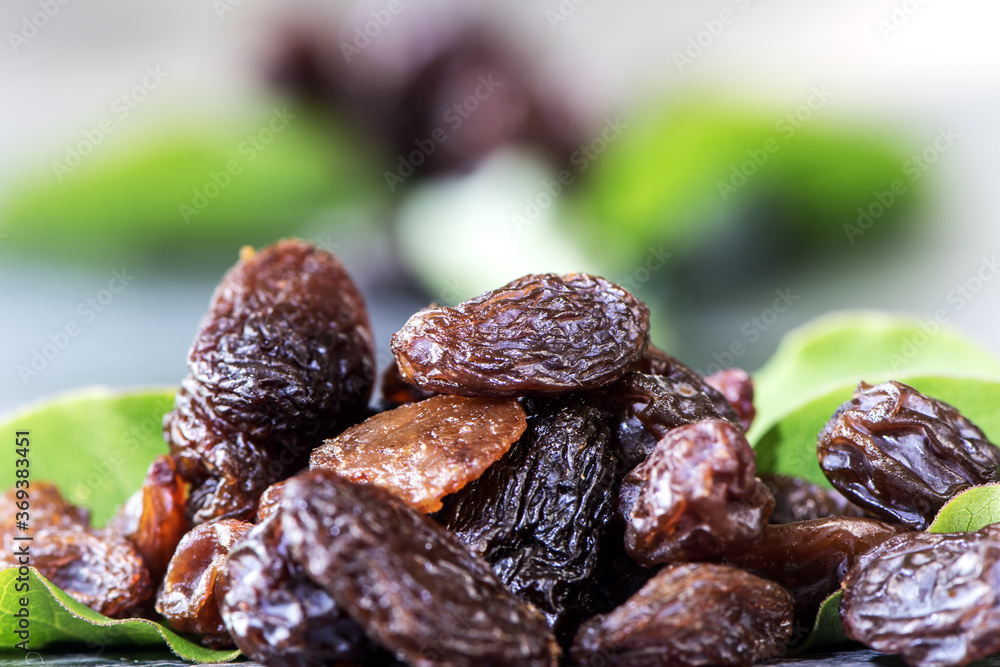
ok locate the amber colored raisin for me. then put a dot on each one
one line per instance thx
(282, 359)
(737, 386)
(696, 496)
(537, 515)
(278, 615)
(423, 451)
(153, 519)
(269, 500)
(538, 335)
(691, 614)
(901, 455)
(188, 598)
(47, 507)
(810, 558)
(933, 599)
(397, 391)
(797, 499)
(410, 583)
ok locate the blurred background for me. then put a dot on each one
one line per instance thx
(741, 165)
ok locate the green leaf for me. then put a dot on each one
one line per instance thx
(846, 347)
(56, 618)
(826, 629)
(968, 511)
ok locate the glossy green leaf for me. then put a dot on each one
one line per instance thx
(826, 629)
(968, 511)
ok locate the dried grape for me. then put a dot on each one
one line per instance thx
(797, 499)
(737, 387)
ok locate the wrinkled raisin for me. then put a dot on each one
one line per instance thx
(282, 359)
(538, 335)
(691, 614)
(537, 514)
(410, 583)
(901, 455)
(48, 510)
(695, 497)
(933, 599)
(397, 391)
(269, 500)
(423, 451)
(797, 499)
(737, 386)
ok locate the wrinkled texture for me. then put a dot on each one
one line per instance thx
(810, 558)
(737, 386)
(934, 599)
(188, 598)
(47, 509)
(901, 455)
(410, 583)
(695, 497)
(691, 614)
(396, 391)
(538, 514)
(423, 451)
(270, 500)
(153, 519)
(280, 617)
(538, 335)
(797, 499)
(282, 359)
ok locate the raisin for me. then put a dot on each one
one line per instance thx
(931, 598)
(410, 583)
(153, 519)
(270, 499)
(737, 386)
(902, 455)
(695, 497)
(48, 509)
(396, 391)
(538, 335)
(277, 614)
(423, 451)
(537, 515)
(631, 442)
(691, 614)
(188, 598)
(282, 359)
(810, 558)
(797, 499)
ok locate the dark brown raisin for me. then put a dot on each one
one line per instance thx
(188, 598)
(797, 499)
(901, 455)
(48, 509)
(695, 497)
(810, 558)
(691, 614)
(423, 451)
(411, 584)
(737, 386)
(537, 515)
(933, 599)
(538, 335)
(282, 359)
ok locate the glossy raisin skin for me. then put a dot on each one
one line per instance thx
(931, 598)
(278, 615)
(154, 518)
(737, 386)
(539, 335)
(810, 558)
(47, 507)
(282, 359)
(691, 614)
(188, 596)
(270, 500)
(425, 450)
(901, 455)
(411, 584)
(696, 497)
(396, 391)
(538, 514)
(797, 499)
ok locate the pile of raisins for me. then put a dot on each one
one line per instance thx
(538, 485)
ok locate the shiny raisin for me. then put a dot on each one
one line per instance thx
(48, 510)
(691, 614)
(269, 500)
(425, 450)
(695, 497)
(737, 386)
(901, 455)
(538, 335)
(282, 359)
(397, 391)
(797, 499)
